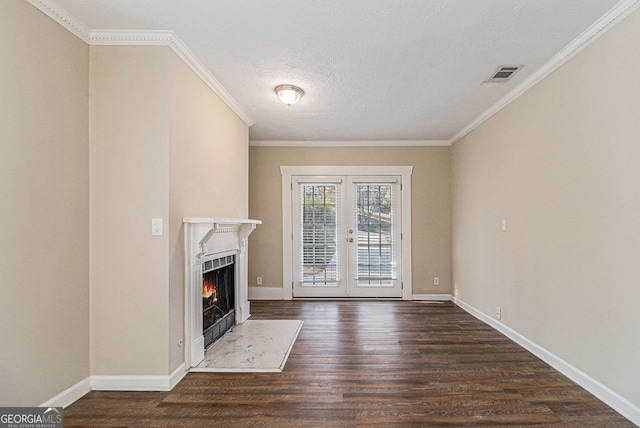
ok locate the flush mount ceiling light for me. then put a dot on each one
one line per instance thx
(289, 94)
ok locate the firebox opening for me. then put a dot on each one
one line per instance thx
(218, 300)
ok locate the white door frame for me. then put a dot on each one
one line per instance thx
(287, 232)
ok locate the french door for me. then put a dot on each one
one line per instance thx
(346, 236)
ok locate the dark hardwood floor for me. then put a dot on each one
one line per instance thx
(368, 362)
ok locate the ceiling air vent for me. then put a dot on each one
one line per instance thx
(503, 73)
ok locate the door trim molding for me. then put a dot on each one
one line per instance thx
(287, 240)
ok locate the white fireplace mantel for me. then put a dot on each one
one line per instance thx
(206, 239)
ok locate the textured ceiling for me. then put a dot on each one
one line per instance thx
(371, 69)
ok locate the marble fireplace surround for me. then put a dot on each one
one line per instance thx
(208, 239)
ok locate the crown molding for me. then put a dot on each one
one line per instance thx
(142, 38)
(623, 9)
(183, 51)
(62, 17)
(131, 38)
(170, 39)
(349, 143)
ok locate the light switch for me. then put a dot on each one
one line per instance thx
(504, 225)
(156, 226)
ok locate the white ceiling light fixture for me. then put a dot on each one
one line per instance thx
(289, 94)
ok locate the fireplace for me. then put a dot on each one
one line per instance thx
(218, 298)
(215, 283)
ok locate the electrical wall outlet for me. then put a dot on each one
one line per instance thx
(259, 280)
(436, 280)
(498, 312)
(156, 226)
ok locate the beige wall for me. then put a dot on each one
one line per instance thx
(163, 145)
(431, 206)
(129, 186)
(44, 207)
(208, 148)
(562, 165)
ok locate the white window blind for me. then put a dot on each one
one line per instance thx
(376, 253)
(319, 221)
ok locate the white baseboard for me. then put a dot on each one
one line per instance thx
(614, 400)
(273, 293)
(116, 383)
(266, 293)
(138, 383)
(130, 383)
(436, 297)
(70, 395)
(177, 375)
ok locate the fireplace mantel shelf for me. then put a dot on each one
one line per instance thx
(219, 224)
(219, 220)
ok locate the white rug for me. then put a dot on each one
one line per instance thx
(255, 346)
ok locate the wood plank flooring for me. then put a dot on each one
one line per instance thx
(387, 363)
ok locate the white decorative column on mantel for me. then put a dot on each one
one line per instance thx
(207, 239)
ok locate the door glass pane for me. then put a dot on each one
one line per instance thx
(375, 254)
(319, 223)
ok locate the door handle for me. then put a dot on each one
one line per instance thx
(350, 230)
(350, 240)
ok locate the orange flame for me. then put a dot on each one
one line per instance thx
(208, 290)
